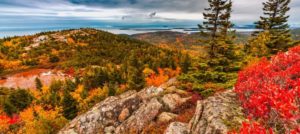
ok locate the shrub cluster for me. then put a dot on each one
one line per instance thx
(270, 91)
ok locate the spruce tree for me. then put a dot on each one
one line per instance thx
(186, 63)
(274, 21)
(69, 106)
(38, 84)
(217, 24)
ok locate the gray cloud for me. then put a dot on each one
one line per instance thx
(159, 5)
(244, 11)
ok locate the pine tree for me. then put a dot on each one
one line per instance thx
(275, 22)
(38, 84)
(186, 63)
(217, 24)
(69, 106)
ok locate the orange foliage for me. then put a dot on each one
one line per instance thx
(10, 64)
(163, 76)
(4, 126)
(70, 40)
(8, 43)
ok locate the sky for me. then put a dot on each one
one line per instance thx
(128, 11)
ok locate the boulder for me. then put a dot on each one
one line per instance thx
(166, 117)
(141, 118)
(104, 114)
(177, 128)
(172, 101)
(217, 114)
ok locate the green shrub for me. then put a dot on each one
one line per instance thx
(17, 101)
(206, 93)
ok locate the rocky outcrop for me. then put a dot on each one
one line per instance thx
(105, 115)
(217, 114)
(128, 113)
(132, 112)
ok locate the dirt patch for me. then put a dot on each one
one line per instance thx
(26, 79)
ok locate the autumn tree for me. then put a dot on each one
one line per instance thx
(216, 25)
(275, 22)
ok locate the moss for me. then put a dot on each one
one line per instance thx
(206, 93)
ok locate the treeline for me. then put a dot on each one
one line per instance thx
(218, 70)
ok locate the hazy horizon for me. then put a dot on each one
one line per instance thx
(32, 16)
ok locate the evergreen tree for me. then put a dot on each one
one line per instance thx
(69, 106)
(38, 84)
(136, 79)
(1, 68)
(186, 63)
(217, 24)
(275, 22)
(17, 101)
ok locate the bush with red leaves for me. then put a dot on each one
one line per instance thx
(9, 120)
(252, 128)
(270, 90)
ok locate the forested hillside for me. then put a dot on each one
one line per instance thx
(94, 65)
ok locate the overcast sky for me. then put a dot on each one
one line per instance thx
(244, 11)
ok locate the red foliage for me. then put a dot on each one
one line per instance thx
(10, 120)
(252, 128)
(270, 90)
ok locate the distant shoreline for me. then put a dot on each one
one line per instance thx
(12, 32)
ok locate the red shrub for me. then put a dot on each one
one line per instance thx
(9, 120)
(253, 128)
(270, 90)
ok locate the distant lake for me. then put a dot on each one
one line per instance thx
(11, 28)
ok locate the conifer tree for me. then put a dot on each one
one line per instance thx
(186, 63)
(69, 106)
(38, 84)
(274, 21)
(217, 24)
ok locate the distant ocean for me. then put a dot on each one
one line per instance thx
(29, 27)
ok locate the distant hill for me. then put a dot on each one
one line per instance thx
(296, 33)
(75, 48)
(188, 40)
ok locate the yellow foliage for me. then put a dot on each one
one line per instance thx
(148, 71)
(83, 44)
(77, 96)
(45, 90)
(77, 93)
(257, 46)
(37, 120)
(11, 64)
(97, 94)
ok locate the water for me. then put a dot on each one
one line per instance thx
(17, 27)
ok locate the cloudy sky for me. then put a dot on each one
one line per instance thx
(138, 11)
